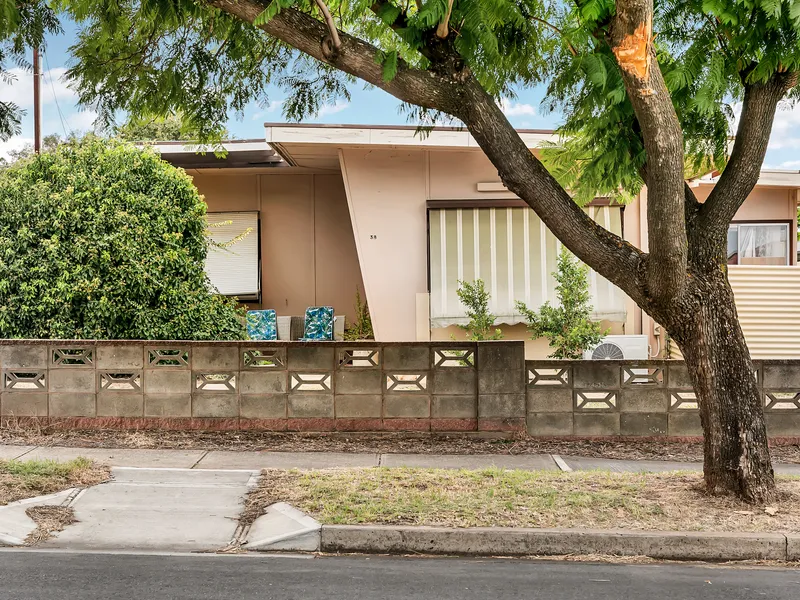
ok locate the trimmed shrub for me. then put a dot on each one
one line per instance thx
(105, 240)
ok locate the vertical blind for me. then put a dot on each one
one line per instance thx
(513, 252)
(234, 270)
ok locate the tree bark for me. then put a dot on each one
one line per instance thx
(707, 330)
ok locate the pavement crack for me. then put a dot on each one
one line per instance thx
(200, 459)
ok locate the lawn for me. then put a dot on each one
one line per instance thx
(503, 498)
(24, 479)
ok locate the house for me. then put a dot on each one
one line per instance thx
(403, 217)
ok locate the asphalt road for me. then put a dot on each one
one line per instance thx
(30, 575)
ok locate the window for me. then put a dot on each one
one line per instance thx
(234, 270)
(515, 255)
(758, 244)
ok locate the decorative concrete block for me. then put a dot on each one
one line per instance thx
(215, 406)
(406, 406)
(316, 358)
(684, 423)
(262, 382)
(23, 356)
(167, 381)
(595, 374)
(311, 405)
(781, 377)
(501, 382)
(359, 406)
(168, 405)
(403, 357)
(358, 381)
(549, 399)
(501, 356)
(643, 424)
(216, 357)
(72, 405)
(784, 423)
(550, 424)
(454, 407)
(501, 406)
(120, 357)
(263, 406)
(120, 404)
(23, 404)
(596, 424)
(71, 380)
(454, 381)
(643, 400)
(678, 377)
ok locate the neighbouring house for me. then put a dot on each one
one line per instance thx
(403, 218)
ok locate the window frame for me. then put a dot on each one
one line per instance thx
(253, 298)
(790, 246)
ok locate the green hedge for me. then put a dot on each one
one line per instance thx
(105, 240)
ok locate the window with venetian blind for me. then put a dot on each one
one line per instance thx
(234, 270)
(515, 255)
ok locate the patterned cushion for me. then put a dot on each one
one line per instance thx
(319, 323)
(262, 324)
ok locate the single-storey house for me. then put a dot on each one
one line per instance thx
(403, 217)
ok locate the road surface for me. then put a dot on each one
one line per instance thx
(34, 575)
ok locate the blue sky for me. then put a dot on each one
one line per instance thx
(60, 114)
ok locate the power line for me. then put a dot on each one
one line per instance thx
(55, 96)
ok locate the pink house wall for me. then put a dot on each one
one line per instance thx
(386, 193)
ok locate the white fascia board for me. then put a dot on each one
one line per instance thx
(366, 136)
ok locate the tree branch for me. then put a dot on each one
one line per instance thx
(559, 32)
(355, 57)
(326, 13)
(749, 148)
(631, 40)
(523, 173)
(443, 30)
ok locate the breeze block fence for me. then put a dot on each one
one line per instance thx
(361, 386)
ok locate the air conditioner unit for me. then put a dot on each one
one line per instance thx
(620, 347)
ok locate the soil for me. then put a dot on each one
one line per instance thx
(398, 443)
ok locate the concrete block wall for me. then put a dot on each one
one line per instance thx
(652, 398)
(276, 386)
(362, 386)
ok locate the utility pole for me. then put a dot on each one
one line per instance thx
(37, 102)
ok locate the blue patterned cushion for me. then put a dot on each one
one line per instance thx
(262, 324)
(319, 323)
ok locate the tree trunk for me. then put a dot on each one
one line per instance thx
(737, 457)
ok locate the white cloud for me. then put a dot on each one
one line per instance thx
(786, 128)
(516, 109)
(15, 143)
(332, 109)
(81, 121)
(270, 108)
(20, 89)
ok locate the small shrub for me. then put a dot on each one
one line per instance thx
(481, 322)
(567, 326)
(361, 329)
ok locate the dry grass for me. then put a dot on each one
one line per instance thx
(51, 435)
(29, 478)
(49, 520)
(498, 498)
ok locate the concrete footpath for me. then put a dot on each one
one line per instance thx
(191, 501)
(224, 460)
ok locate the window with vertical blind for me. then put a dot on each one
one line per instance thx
(234, 270)
(515, 255)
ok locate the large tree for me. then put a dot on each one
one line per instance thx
(638, 109)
